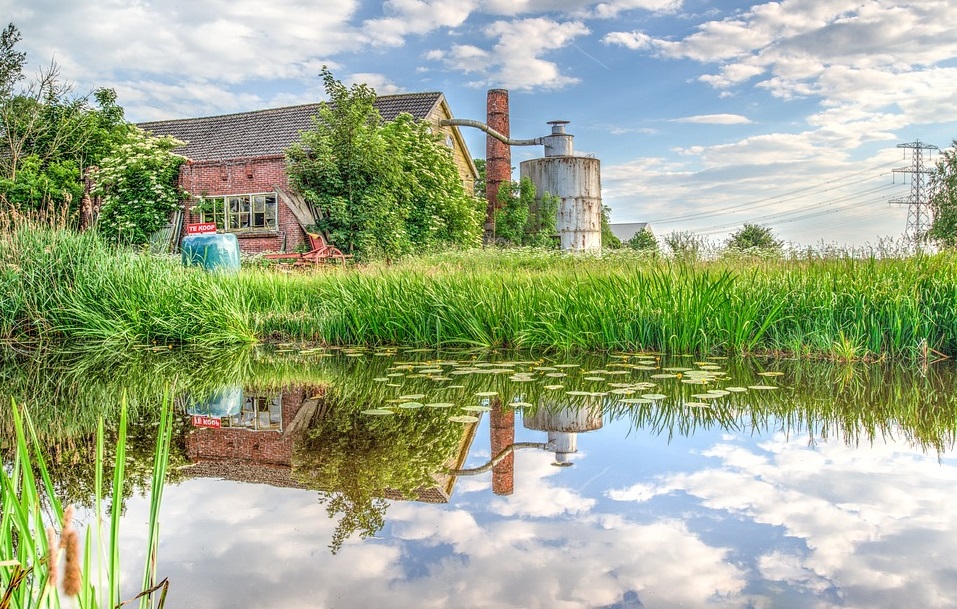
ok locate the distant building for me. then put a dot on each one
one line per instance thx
(236, 173)
(625, 231)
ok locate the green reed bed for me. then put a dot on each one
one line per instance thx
(44, 562)
(58, 285)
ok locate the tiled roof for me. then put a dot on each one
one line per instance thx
(268, 132)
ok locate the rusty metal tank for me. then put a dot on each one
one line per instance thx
(576, 181)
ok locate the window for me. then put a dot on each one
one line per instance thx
(236, 213)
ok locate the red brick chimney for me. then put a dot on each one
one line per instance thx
(498, 155)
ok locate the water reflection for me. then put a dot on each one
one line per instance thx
(693, 482)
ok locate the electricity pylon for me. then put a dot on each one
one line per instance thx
(919, 217)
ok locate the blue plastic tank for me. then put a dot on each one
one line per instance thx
(213, 252)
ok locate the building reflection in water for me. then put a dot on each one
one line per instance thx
(563, 424)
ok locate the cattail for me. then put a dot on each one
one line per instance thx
(67, 524)
(71, 567)
(53, 549)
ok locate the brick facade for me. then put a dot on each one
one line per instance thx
(239, 177)
(244, 445)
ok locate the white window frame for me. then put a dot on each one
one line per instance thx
(240, 213)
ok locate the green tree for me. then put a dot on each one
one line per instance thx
(685, 244)
(479, 186)
(48, 135)
(524, 219)
(643, 241)
(381, 190)
(943, 200)
(139, 186)
(608, 238)
(11, 60)
(753, 237)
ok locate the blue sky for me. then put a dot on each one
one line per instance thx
(705, 115)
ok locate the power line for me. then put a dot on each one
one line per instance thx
(776, 199)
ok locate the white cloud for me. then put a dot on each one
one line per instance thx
(579, 8)
(206, 53)
(416, 17)
(380, 82)
(858, 509)
(515, 61)
(715, 119)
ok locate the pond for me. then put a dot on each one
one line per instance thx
(410, 478)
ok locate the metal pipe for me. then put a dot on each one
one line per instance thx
(464, 122)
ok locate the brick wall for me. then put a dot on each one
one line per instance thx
(243, 177)
(237, 444)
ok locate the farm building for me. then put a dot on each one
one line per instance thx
(236, 166)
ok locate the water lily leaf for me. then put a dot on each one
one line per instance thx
(377, 411)
(653, 396)
(771, 373)
(463, 418)
(410, 405)
(440, 405)
(664, 376)
(486, 394)
(736, 389)
(476, 408)
(554, 387)
(593, 378)
(761, 387)
(412, 396)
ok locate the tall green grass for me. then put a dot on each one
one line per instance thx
(63, 286)
(33, 518)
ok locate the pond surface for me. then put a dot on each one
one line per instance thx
(413, 479)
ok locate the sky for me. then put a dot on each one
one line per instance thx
(705, 115)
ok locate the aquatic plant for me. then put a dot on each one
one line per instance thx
(59, 286)
(36, 529)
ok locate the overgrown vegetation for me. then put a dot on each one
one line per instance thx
(138, 181)
(525, 219)
(49, 136)
(382, 190)
(50, 139)
(60, 285)
(40, 542)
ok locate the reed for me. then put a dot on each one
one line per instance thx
(62, 286)
(32, 514)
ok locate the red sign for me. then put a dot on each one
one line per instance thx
(201, 228)
(203, 421)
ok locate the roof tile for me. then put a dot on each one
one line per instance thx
(268, 132)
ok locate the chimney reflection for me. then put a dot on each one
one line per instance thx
(502, 435)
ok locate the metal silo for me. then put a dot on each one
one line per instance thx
(576, 181)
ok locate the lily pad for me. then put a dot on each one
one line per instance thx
(377, 411)
(761, 387)
(654, 396)
(411, 405)
(463, 418)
